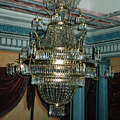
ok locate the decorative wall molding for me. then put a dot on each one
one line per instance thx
(14, 29)
(104, 37)
(12, 42)
(107, 48)
(14, 38)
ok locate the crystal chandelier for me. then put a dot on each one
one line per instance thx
(56, 61)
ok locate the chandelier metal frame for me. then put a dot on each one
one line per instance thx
(57, 61)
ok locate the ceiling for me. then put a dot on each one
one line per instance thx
(95, 20)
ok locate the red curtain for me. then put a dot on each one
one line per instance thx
(114, 97)
(12, 89)
(90, 99)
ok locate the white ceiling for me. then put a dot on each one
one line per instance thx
(102, 6)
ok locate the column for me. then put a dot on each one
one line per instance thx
(77, 107)
(102, 98)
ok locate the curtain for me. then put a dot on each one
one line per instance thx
(12, 89)
(90, 99)
(114, 97)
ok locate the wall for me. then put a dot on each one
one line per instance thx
(20, 112)
(84, 4)
(115, 62)
(105, 6)
(7, 57)
(102, 6)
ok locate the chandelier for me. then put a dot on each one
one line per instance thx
(56, 60)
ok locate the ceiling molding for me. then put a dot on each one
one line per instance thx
(93, 19)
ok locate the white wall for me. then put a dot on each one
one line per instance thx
(84, 4)
(105, 6)
(102, 6)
